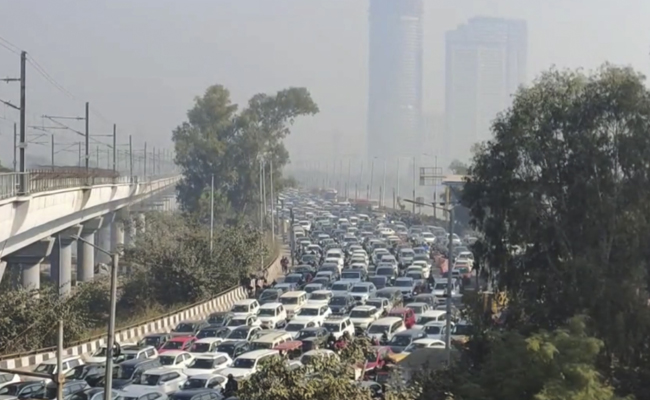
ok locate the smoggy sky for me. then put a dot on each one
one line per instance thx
(141, 62)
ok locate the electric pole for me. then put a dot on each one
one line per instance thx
(87, 137)
(131, 159)
(145, 161)
(114, 147)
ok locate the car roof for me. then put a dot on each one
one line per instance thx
(245, 302)
(321, 292)
(410, 332)
(173, 352)
(54, 361)
(434, 313)
(160, 371)
(258, 353)
(387, 321)
(271, 305)
(417, 303)
(364, 308)
(209, 340)
(294, 293)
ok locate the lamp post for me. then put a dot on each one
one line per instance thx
(110, 339)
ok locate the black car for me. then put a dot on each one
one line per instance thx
(234, 348)
(213, 331)
(23, 390)
(269, 296)
(402, 340)
(154, 339)
(197, 394)
(91, 373)
(314, 332)
(69, 389)
(131, 370)
(342, 304)
(219, 318)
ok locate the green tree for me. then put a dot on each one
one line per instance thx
(458, 167)
(565, 179)
(221, 142)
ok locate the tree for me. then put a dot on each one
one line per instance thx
(547, 365)
(458, 167)
(229, 145)
(565, 179)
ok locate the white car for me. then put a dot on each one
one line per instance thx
(242, 308)
(430, 316)
(205, 345)
(208, 364)
(424, 344)
(250, 320)
(436, 330)
(338, 325)
(7, 378)
(163, 379)
(209, 381)
(419, 309)
(313, 312)
(272, 315)
(341, 288)
(320, 297)
(294, 327)
(363, 316)
(428, 237)
(50, 367)
(175, 359)
(246, 364)
(336, 261)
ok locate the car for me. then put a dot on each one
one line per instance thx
(430, 316)
(363, 316)
(320, 297)
(156, 340)
(272, 315)
(317, 332)
(427, 298)
(188, 328)
(352, 275)
(418, 308)
(380, 282)
(407, 286)
(440, 289)
(461, 331)
(296, 279)
(293, 302)
(175, 359)
(210, 381)
(50, 367)
(247, 363)
(234, 348)
(130, 371)
(178, 343)
(339, 325)
(342, 304)
(436, 330)
(386, 327)
(341, 288)
(134, 351)
(294, 327)
(382, 304)
(393, 295)
(244, 320)
(244, 332)
(213, 331)
(196, 394)
(142, 393)
(218, 318)
(407, 315)
(313, 287)
(244, 307)
(208, 364)
(402, 340)
(362, 291)
(70, 388)
(424, 344)
(165, 380)
(16, 390)
(269, 296)
(205, 345)
(91, 373)
(311, 312)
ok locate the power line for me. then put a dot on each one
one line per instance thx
(49, 78)
(9, 46)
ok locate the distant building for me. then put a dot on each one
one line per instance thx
(395, 78)
(485, 63)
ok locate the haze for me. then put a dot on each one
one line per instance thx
(140, 63)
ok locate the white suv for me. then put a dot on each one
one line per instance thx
(272, 315)
(338, 326)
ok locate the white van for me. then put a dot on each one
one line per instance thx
(244, 307)
(272, 315)
(293, 301)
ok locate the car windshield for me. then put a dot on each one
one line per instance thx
(10, 390)
(361, 314)
(416, 309)
(351, 275)
(228, 348)
(149, 380)
(217, 319)
(404, 283)
(269, 294)
(239, 334)
(173, 345)
(167, 360)
(266, 312)
(400, 340)
(46, 368)
(415, 346)
(440, 286)
(237, 322)
(247, 363)
(310, 312)
(339, 300)
(79, 372)
(294, 327)
(123, 372)
(202, 363)
(360, 289)
(313, 288)
(319, 296)
(463, 329)
(304, 334)
(433, 329)
(200, 348)
(341, 287)
(293, 279)
(385, 271)
(194, 383)
(378, 328)
(184, 328)
(151, 341)
(240, 308)
(332, 326)
(289, 300)
(414, 275)
(374, 303)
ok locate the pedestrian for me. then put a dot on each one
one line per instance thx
(231, 386)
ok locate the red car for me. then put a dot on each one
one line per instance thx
(377, 358)
(178, 343)
(406, 314)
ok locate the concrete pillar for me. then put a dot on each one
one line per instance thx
(61, 259)
(28, 261)
(3, 267)
(85, 250)
(117, 235)
(103, 240)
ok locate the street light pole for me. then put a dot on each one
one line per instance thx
(211, 212)
(449, 282)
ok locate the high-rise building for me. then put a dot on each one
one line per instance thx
(485, 63)
(395, 72)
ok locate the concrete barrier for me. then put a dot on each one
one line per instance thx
(223, 302)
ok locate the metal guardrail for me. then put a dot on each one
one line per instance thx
(37, 181)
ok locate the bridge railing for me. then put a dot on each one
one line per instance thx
(43, 180)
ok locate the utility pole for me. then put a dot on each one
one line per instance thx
(211, 212)
(372, 178)
(398, 192)
(114, 147)
(87, 137)
(131, 159)
(261, 215)
(413, 184)
(292, 239)
(52, 152)
(15, 145)
(97, 158)
(153, 161)
(449, 282)
(347, 185)
(272, 202)
(23, 144)
(145, 161)
(383, 186)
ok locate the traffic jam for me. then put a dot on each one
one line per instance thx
(354, 272)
